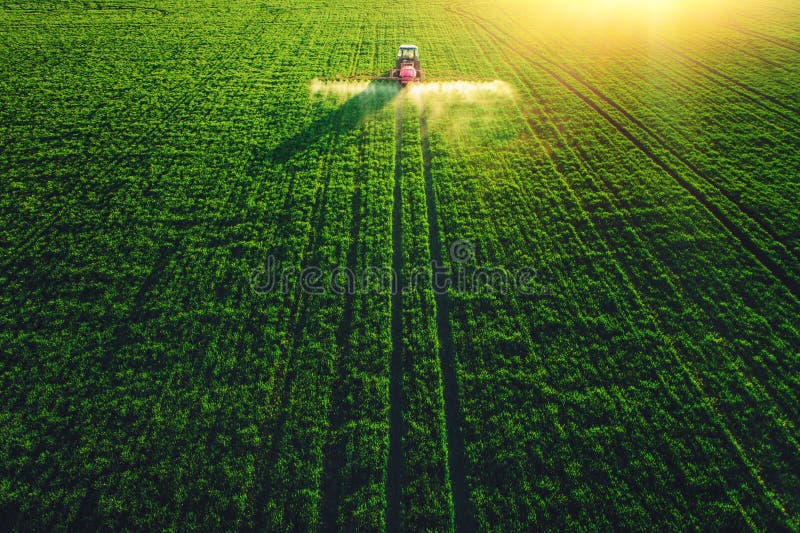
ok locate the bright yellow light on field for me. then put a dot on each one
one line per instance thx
(627, 16)
(627, 9)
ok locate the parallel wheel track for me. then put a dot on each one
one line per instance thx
(456, 456)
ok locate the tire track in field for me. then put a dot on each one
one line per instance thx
(296, 311)
(748, 53)
(749, 98)
(456, 457)
(777, 229)
(778, 121)
(777, 41)
(394, 467)
(789, 281)
(182, 102)
(756, 217)
(669, 459)
(704, 74)
(714, 414)
(338, 120)
(711, 72)
(664, 145)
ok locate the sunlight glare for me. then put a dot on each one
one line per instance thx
(618, 16)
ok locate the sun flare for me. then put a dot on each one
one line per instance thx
(627, 16)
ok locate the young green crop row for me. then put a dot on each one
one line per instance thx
(753, 236)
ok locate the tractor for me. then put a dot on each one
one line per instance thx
(407, 69)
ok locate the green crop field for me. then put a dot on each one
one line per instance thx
(553, 286)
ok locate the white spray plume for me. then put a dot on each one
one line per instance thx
(460, 90)
(347, 89)
(439, 90)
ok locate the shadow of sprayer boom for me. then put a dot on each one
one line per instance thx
(368, 99)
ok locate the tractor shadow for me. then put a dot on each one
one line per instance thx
(351, 114)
